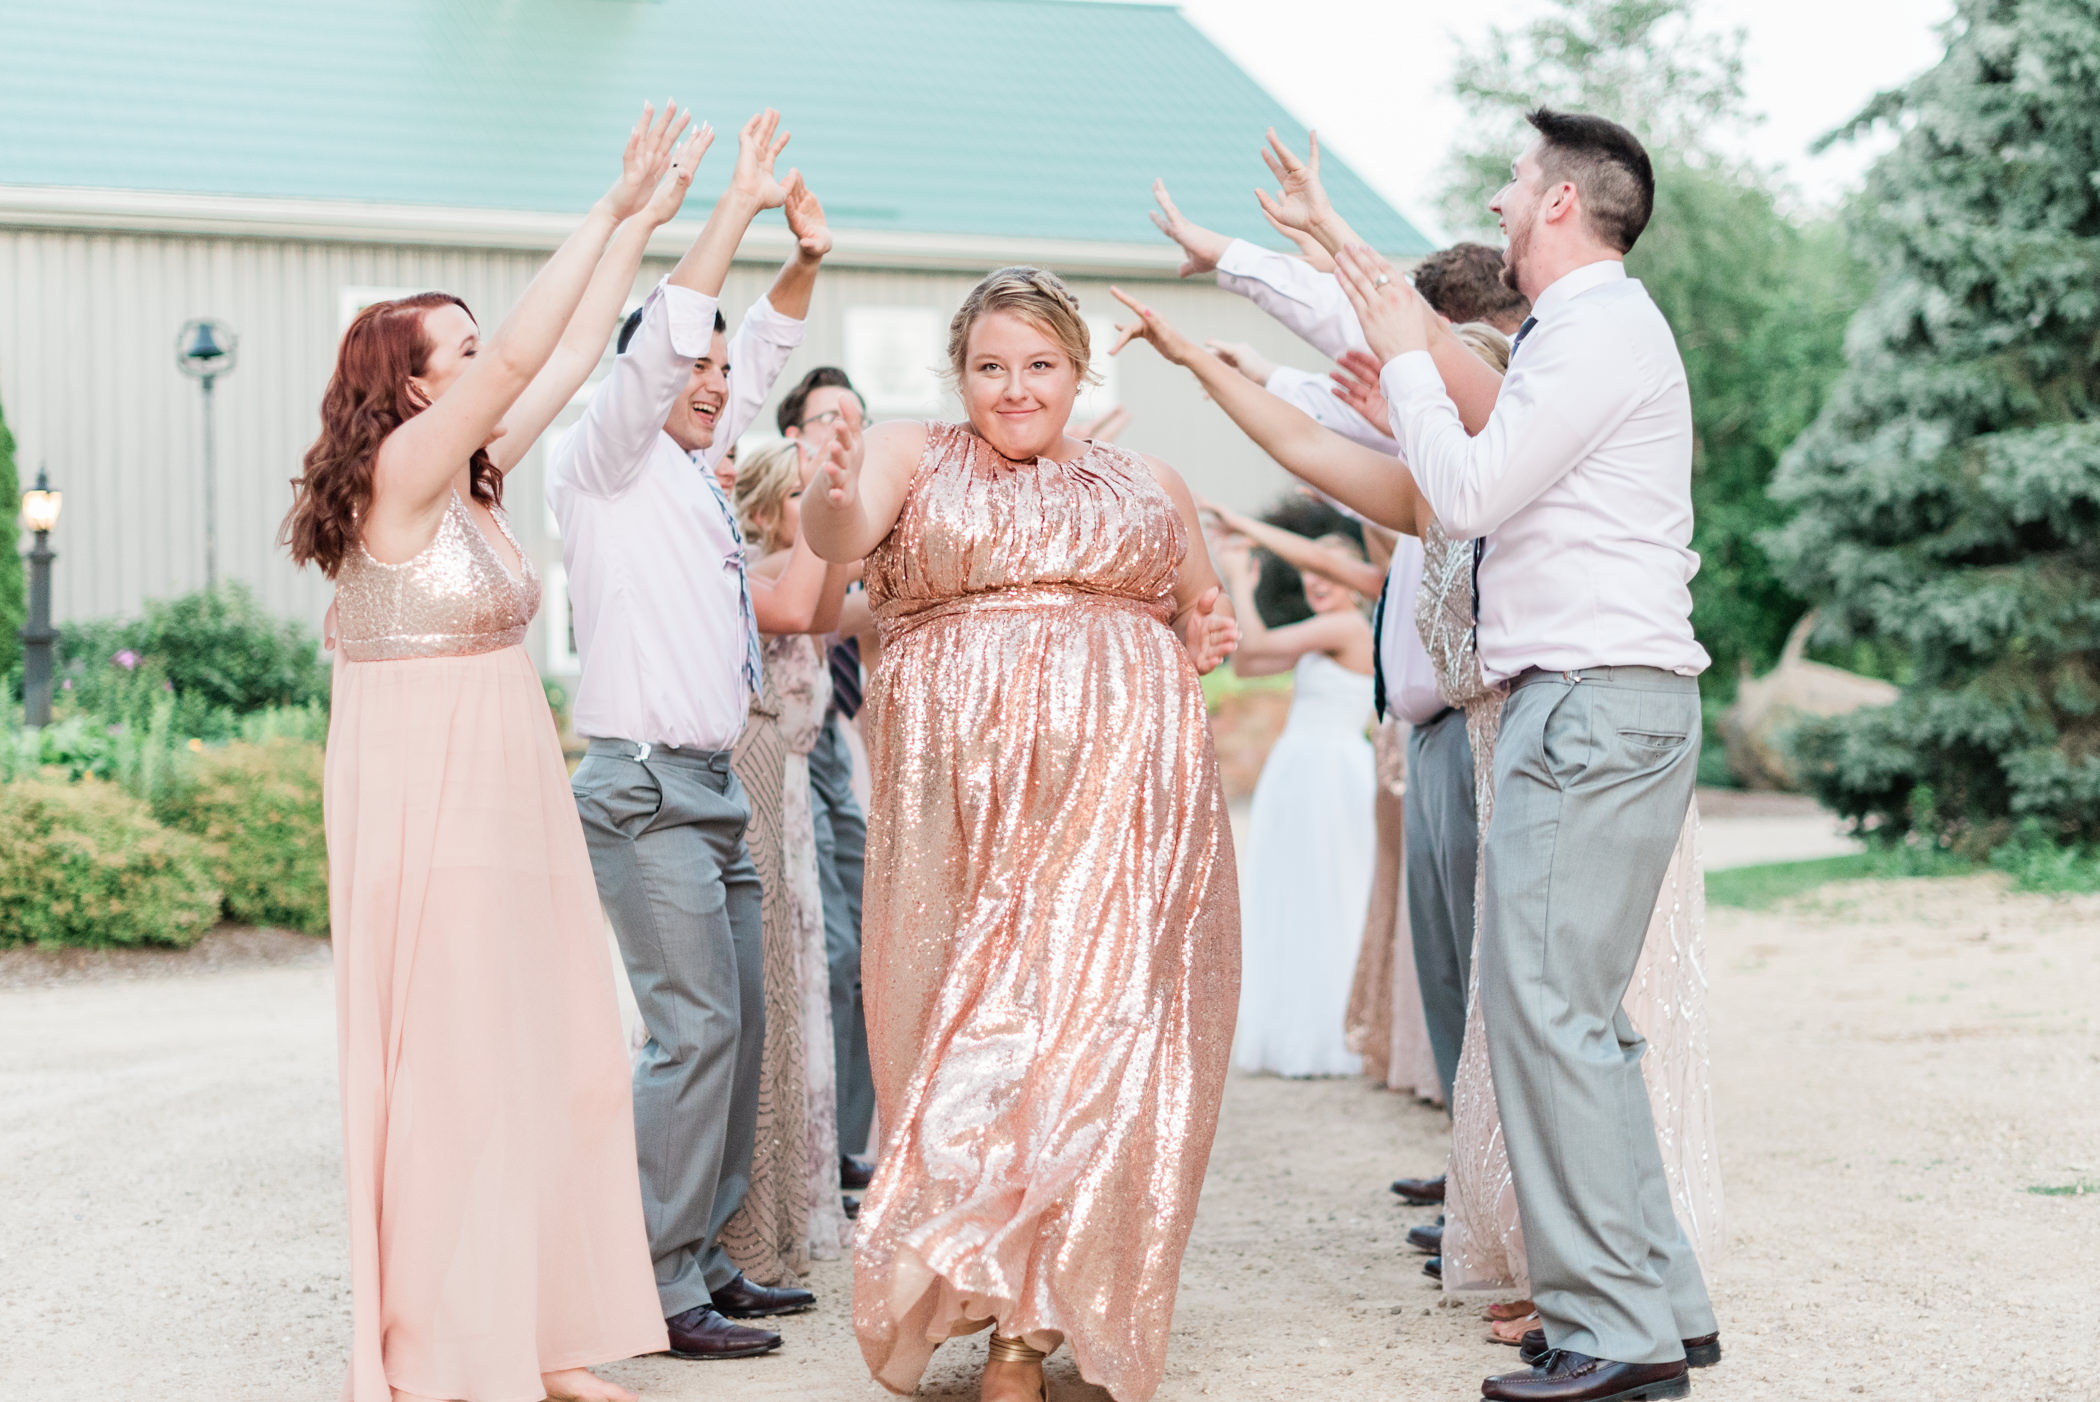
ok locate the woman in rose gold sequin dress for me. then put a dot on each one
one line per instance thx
(1051, 920)
(497, 1246)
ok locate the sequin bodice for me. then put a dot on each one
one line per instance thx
(1444, 616)
(456, 598)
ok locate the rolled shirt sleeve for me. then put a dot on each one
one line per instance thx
(1311, 303)
(758, 352)
(606, 451)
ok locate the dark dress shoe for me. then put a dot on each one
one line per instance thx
(1429, 1239)
(851, 1204)
(1434, 1268)
(740, 1299)
(1702, 1352)
(1420, 1191)
(702, 1332)
(855, 1173)
(1562, 1376)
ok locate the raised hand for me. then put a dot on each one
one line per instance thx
(805, 216)
(1356, 385)
(756, 151)
(842, 456)
(1301, 203)
(1395, 318)
(647, 157)
(1202, 247)
(1151, 327)
(1210, 636)
(1243, 358)
(1321, 260)
(670, 191)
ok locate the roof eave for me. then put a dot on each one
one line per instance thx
(347, 221)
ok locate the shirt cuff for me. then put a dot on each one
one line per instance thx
(1409, 376)
(1243, 260)
(691, 314)
(765, 321)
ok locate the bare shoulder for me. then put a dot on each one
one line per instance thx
(1170, 480)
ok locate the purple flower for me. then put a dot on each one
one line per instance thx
(127, 659)
(66, 685)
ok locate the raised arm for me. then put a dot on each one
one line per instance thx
(606, 452)
(862, 480)
(582, 345)
(1265, 651)
(1367, 482)
(1301, 201)
(1302, 554)
(797, 591)
(419, 462)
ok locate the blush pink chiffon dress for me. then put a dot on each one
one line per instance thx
(488, 1130)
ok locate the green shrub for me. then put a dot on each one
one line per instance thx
(218, 650)
(257, 810)
(85, 864)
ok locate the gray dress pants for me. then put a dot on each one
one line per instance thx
(666, 835)
(842, 841)
(1443, 843)
(1593, 774)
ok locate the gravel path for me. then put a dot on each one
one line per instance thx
(1898, 1066)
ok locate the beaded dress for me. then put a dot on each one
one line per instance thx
(488, 1128)
(1483, 1246)
(791, 1211)
(1050, 946)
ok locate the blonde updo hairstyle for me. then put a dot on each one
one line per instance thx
(1485, 341)
(1037, 297)
(765, 478)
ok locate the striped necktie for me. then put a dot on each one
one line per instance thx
(754, 663)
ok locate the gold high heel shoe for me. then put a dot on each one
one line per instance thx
(1011, 1350)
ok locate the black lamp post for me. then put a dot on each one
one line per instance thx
(204, 350)
(40, 514)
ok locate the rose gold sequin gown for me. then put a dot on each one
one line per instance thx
(1483, 1246)
(488, 1127)
(1051, 933)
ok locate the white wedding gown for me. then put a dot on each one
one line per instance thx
(1306, 877)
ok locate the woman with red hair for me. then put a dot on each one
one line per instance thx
(496, 1238)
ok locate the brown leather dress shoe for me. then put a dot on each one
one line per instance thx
(740, 1299)
(855, 1173)
(1420, 1191)
(1702, 1352)
(703, 1333)
(1429, 1239)
(1576, 1377)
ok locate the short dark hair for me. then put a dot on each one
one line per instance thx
(789, 415)
(1464, 283)
(634, 324)
(1607, 163)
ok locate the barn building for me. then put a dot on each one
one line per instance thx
(275, 167)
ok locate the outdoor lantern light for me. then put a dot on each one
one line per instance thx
(204, 350)
(39, 514)
(40, 507)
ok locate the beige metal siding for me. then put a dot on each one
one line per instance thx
(89, 385)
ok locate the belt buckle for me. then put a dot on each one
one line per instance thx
(641, 754)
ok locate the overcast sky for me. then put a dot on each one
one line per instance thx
(1373, 75)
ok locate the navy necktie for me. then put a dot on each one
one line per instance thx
(1522, 332)
(1480, 542)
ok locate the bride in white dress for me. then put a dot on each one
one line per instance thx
(1310, 841)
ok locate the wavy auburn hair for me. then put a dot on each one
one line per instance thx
(368, 397)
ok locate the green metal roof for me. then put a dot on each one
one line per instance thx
(1043, 118)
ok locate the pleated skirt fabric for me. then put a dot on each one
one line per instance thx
(488, 1130)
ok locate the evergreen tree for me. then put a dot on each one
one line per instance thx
(14, 602)
(1947, 499)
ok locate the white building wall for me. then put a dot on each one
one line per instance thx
(89, 386)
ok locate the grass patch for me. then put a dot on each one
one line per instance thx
(2066, 1190)
(1761, 887)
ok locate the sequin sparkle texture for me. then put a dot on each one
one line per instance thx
(1051, 926)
